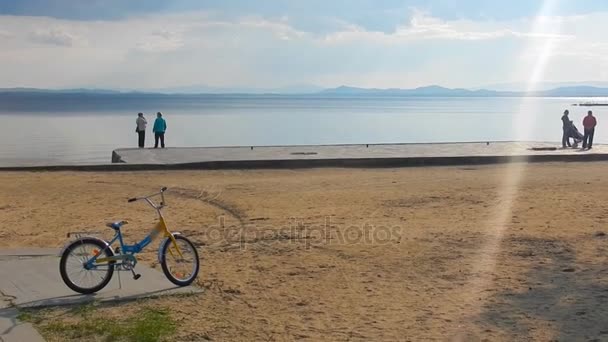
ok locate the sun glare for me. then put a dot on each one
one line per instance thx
(523, 125)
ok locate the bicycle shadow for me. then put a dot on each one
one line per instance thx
(560, 295)
(111, 296)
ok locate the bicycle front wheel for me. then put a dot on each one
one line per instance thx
(72, 266)
(181, 269)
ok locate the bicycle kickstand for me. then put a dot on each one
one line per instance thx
(135, 275)
(119, 281)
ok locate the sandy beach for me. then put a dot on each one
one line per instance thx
(492, 253)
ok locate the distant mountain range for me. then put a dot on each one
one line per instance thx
(59, 91)
(343, 91)
(422, 91)
(201, 89)
(541, 86)
(185, 90)
(437, 91)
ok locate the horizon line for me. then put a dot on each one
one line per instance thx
(343, 90)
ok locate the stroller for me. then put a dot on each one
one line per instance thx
(575, 135)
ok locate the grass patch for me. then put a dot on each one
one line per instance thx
(26, 316)
(31, 315)
(145, 325)
(84, 310)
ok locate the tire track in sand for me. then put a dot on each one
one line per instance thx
(213, 200)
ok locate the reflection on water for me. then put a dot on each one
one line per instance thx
(90, 134)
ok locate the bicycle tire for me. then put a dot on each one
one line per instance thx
(168, 273)
(104, 248)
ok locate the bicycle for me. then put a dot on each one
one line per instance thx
(88, 263)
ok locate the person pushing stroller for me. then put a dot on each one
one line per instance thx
(570, 131)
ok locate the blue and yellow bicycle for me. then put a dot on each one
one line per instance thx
(88, 263)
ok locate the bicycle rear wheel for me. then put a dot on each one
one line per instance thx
(180, 270)
(72, 266)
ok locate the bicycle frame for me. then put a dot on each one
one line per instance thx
(127, 252)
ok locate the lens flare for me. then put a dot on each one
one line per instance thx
(523, 126)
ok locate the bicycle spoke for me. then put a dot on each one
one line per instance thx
(75, 266)
(181, 267)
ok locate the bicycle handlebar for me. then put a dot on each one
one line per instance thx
(147, 198)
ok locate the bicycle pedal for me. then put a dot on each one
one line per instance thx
(136, 276)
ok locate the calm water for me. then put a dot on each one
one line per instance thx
(73, 129)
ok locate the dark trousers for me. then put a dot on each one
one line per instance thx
(142, 138)
(160, 136)
(588, 139)
(566, 138)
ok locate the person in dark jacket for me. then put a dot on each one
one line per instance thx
(160, 126)
(140, 128)
(566, 127)
(589, 123)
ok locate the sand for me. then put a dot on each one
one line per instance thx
(357, 254)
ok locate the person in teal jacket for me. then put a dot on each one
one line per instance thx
(160, 126)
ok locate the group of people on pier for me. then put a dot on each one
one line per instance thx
(571, 132)
(159, 129)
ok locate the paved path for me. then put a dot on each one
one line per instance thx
(11, 330)
(353, 155)
(30, 278)
(12, 253)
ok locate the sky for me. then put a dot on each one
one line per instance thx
(117, 44)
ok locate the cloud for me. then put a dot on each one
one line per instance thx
(192, 28)
(423, 26)
(588, 51)
(6, 34)
(161, 41)
(281, 28)
(54, 36)
(169, 50)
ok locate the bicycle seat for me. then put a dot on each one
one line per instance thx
(116, 225)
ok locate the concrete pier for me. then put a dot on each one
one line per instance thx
(361, 155)
(373, 155)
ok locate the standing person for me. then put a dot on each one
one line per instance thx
(160, 126)
(566, 126)
(141, 129)
(589, 122)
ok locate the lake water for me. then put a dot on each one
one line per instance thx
(55, 129)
